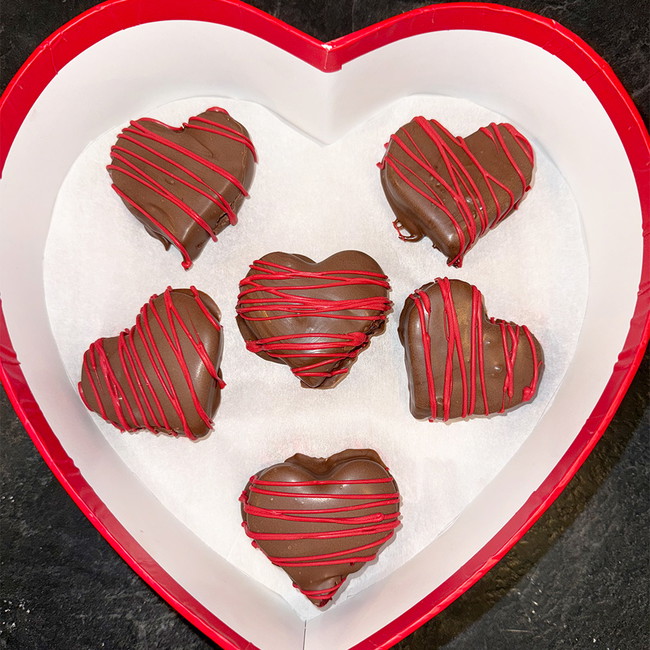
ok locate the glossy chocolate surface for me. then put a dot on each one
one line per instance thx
(162, 374)
(460, 362)
(186, 184)
(321, 519)
(450, 189)
(316, 317)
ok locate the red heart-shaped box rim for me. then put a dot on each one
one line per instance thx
(115, 15)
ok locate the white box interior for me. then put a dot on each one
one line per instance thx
(133, 70)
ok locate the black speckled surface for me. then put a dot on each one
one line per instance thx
(578, 579)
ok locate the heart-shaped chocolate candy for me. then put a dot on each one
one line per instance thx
(321, 519)
(186, 184)
(316, 317)
(163, 374)
(461, 363)
(453, 189)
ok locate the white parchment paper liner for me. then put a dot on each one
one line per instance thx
(101, 266)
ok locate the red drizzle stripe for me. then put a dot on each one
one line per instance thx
(325, 594)
(278, 302)
(343, 508)
(510, 338)
(477, 364)
(529, 391)
(372, 522)
(454, 192)
(137, 368)
(454, 348)
(423, 306)
(258, 481)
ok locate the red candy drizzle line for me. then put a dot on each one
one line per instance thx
(469, 216)
(282, 304)
(348, 523)
(135, 165)
(136, 367)
(510, 335)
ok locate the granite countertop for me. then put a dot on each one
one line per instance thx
(579, 577)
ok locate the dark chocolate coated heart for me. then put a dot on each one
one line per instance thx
(460, 363)
(316, 317)
(321, 519)
(452, 189)
(162, 374)
(186, 184)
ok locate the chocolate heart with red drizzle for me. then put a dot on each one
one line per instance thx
(316, 317)
(186, 184)
(321, 519)
(452, 189)
(460, 363)
(162, 374)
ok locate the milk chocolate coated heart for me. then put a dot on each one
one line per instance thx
(321, 519)
(186, 184)
(316, 317)
(453, 189)
(461, 363)
(163, 374)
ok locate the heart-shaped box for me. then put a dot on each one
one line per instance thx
(227, 41)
